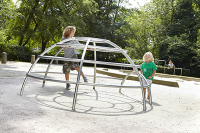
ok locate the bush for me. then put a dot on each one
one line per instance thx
(195, 72)
(16, 53)
(179, 50)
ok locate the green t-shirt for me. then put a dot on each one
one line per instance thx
(148, 69)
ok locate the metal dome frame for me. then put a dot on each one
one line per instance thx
(115, 49)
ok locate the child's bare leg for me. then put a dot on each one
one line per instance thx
(145, 92)
(148, 97)
(77, 69)
(67, 76)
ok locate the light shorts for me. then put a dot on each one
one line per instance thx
(70, 65)
(148, 80)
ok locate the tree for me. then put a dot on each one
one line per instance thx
(141, 27)
(42, 21)
(184, 21)
(6, 13)
(178, 49)
(108, 23)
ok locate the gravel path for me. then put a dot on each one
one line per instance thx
(103, 110)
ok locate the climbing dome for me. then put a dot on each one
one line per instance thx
(96, 45)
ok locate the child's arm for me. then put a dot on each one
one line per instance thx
(141, 71)
(152, 74)
(64, 48)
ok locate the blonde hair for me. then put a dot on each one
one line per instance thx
(150, 56)
(68, 30)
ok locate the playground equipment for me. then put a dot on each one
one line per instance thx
(112, 47)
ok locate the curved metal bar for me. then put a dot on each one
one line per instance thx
(95, 65)
(85, 39)
(150, 99)
(125, 80)
(85, 83)
(50, 65)
(89, 61)
(64, 41)
(76, 74)
(143, 93)
(25, 80)
(97, 48)
(59, 58)
(79, 73)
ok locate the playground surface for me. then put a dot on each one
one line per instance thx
(103, 110)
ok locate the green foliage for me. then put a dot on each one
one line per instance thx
(16, 53)
(6, 14)
(39, 22)
(2, 36)
(138, 62)
(148, 27)
(184, 21)
(177, 49)
(107, 22)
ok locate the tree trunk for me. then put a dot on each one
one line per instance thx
(36, 26)
(44, 43)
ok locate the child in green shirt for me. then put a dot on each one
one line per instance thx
(148, 69)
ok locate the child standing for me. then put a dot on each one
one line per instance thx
(148, 69)
(70, 53)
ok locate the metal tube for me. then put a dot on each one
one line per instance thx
(164, 66)
(98, 48)
(95, 65)
(78, 77)
(90, 61)
(59, 58)
(144, 101)
(89, 84)
(174, 70)
(25, 80)
(50, 65)
(23, 85)
(150, 98)
(125, 80)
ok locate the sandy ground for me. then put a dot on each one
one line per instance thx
(104, 110)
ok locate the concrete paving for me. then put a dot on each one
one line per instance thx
(103, 110)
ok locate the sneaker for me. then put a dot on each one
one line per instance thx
(68, 86)
(85, 79)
